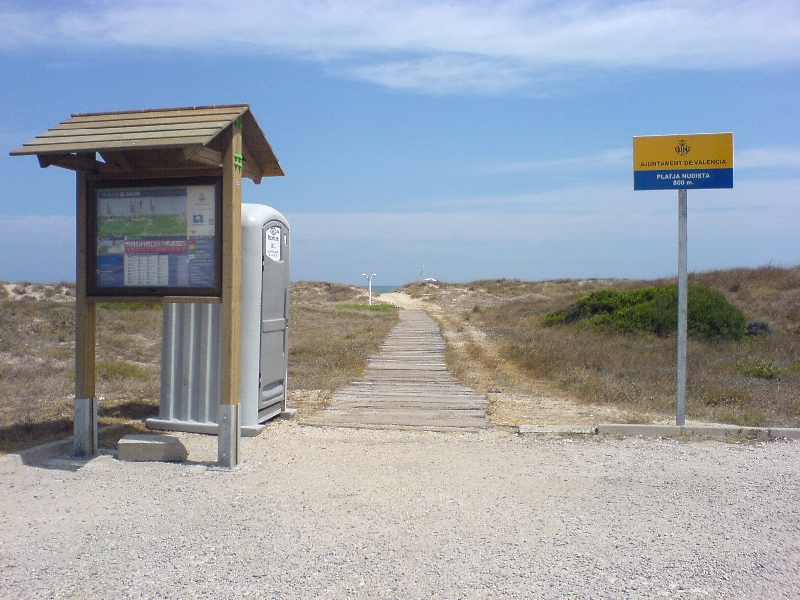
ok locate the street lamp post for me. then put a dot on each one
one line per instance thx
(369, 278)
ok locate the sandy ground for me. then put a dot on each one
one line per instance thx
(538, 404)
(345, 513)
(57, 292)
(318, 512)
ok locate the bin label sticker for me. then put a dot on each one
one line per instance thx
(272, 243)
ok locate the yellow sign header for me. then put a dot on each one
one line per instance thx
(694, 151)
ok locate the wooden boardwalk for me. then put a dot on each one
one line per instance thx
(407, 385)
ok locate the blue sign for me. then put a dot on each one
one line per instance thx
(676, 180)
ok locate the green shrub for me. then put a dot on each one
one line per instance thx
(115, 369)
(759, 369)
(655, 310)
(712, 317)
(130, 305)
(381, 307)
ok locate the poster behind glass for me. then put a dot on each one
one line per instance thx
(157, 239)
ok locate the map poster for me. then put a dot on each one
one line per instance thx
(156, 237)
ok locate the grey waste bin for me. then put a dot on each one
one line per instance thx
(190, 359)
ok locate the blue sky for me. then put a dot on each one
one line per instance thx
(481, 139)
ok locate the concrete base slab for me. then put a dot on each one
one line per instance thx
(145, 447)
(74, 463)
(35, 455)
(650, 430)
(710, 431)
(198, 427)
(11, 462)
(394, 427)
(557, 429)
(288, 413)
(42, 453)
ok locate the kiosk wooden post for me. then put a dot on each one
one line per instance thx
(155, 150)
(85, 407)
(229, 430)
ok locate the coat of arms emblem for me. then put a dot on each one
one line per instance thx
(683, 148)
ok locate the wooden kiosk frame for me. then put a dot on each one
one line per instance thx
(222, 142)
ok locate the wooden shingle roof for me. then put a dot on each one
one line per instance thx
(152, 140)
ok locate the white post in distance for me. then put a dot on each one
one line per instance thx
(369, 278)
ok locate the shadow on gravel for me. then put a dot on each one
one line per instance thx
(135, 409)
(24, 435)
(21, 436)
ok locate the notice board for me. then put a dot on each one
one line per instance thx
(158, 237)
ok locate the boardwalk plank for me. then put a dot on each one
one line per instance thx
(407, 385)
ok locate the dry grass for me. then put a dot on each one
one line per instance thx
(752, 382)
(37, 364)
(328, 347)
(333, 333)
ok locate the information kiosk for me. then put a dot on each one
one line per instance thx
(159, 212)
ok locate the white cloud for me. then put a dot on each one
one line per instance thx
(37, 230)
(582, 231)
(442, 74)
(615, 157)
(754, 210)
(37, 248)
(784, 157)
(435, 46)
(773, 156)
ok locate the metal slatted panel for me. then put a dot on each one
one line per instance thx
(190, 363)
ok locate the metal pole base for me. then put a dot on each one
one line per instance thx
(229, 436)
(85, 426)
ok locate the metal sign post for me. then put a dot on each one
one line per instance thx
(683, 310)
(667, 162)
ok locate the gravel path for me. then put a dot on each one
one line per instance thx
(350, 513)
